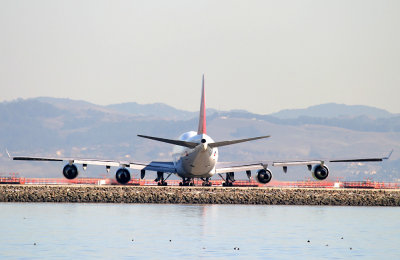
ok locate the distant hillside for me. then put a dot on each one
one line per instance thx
(64, 127)
(68, 104)
(333, 110)
(158, 110)
(360, 123)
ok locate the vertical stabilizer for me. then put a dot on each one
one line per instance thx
(202, 117)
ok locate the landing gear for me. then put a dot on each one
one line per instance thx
(206, 182)
(190, 182)
(186, 182)
(229, 180)
(160, 179)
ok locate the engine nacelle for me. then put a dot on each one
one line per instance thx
(70, 171)
(264, 176)
(122, 176)
(320, 172)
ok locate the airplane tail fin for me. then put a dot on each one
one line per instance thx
(202, 118)
(202, 130)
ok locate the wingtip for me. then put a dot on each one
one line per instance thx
(8, 154)
(390, 154)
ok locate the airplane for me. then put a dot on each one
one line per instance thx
(195, 156)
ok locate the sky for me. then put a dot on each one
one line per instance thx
(261, 56)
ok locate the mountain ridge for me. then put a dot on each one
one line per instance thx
(327, 110)
(81, 129)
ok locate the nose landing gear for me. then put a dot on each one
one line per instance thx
(187, 182)
(206, 182)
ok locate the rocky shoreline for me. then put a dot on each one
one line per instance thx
(198, 195)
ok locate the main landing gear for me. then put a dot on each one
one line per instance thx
(190, 182)
(229, 180)
(160, 179)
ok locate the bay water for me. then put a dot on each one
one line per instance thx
(158, 231)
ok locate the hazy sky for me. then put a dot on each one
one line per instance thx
(262, 56)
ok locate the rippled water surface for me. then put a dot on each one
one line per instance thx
(115, 231)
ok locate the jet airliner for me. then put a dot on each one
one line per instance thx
(195, 156)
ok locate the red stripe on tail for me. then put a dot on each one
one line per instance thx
(202, 119)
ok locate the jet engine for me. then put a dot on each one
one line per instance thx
(70, 171)
(320, 172)
(264, 176)
(123, 176)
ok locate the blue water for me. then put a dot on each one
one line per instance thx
(129, 231)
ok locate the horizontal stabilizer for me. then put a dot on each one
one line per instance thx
(171, 141)
(225, 143)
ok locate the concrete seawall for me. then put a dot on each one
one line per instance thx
(198, 195)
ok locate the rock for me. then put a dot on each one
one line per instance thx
(197, 195)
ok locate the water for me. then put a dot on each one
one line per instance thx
(91, 231)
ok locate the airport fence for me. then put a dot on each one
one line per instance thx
(368, 184)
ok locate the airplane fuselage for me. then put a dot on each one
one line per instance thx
(198, 162)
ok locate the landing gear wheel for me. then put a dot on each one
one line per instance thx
(229, 180)
(206, 183)
(227, 184)
(186, 182)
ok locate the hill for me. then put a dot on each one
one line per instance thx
(63, 127)
(332, 110)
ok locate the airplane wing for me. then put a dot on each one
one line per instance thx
(224, 167)
(71, 160)
(167, 167)
(322, 161)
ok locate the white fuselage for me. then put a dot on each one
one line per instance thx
(198, 162)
